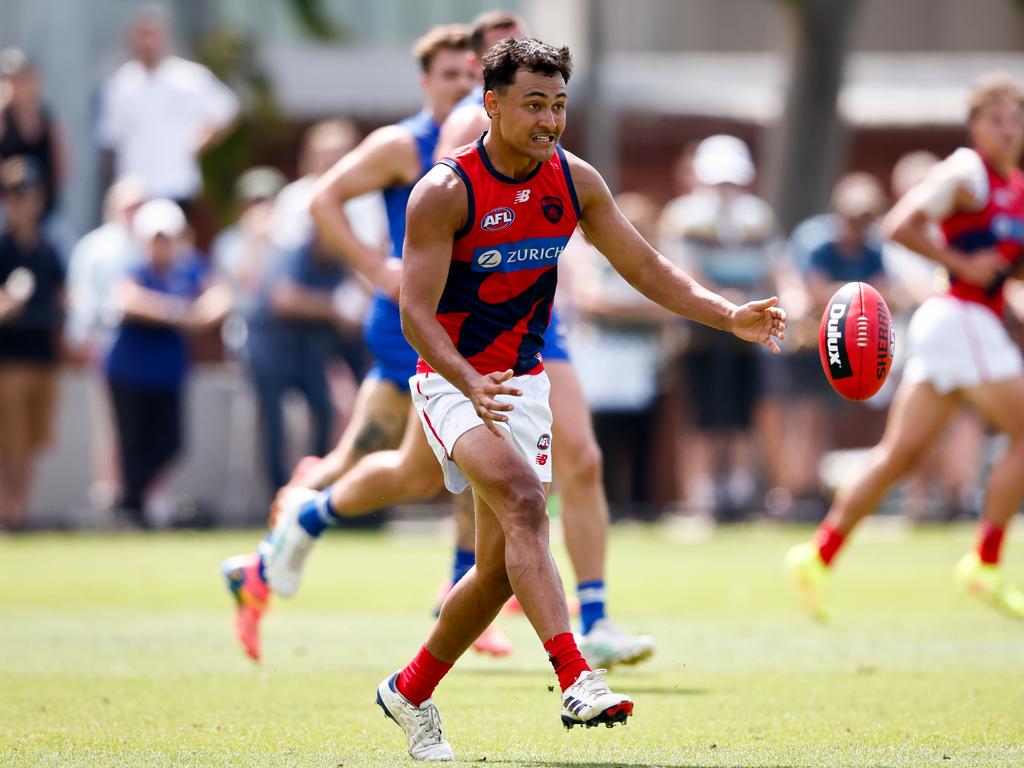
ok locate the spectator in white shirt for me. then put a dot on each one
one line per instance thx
(98, 264)
(161, 112)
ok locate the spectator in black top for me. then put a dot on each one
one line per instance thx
(31, 314)
(26, 125)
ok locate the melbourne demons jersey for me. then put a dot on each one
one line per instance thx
(999, 225)
(496, 304)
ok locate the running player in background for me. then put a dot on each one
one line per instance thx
(959, 351)
(477, 288)
(391, 160)
(578, 466)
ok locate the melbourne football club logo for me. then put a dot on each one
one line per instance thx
(489, 259)
(552, 208)
(544, 442)
(497, 218)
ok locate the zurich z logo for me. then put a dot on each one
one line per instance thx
(489, 259)
(497, 218)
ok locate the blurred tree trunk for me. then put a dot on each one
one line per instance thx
(805, 147)
(601, 147)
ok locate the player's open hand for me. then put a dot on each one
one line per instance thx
(483, 393)
(761, 322)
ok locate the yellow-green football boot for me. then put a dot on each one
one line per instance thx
(811, 577)
(987, 582)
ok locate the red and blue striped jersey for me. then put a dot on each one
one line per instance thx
(999, 225)
(496, 303)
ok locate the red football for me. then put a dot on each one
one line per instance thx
(856, 341)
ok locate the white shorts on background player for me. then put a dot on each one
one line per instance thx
(954, 344)
(447, 414)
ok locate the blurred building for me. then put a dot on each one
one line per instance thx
(652, 75)
(671, 70)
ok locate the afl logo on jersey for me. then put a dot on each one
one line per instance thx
(489, 259)
(497, 218)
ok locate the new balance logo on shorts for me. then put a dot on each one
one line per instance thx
(542, 459)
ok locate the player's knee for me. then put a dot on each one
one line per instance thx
(525, 509)
(899, 460)
(423, 485)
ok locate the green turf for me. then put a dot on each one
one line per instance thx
(116, 651)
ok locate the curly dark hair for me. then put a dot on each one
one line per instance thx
(508, 56)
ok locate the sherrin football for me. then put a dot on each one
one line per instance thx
(856, 341)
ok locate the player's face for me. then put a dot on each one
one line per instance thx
(531, 113)
(998, 132)
(450, 78)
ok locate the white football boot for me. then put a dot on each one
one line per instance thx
(589, 702)
(605, 645)
(422, 724)
(284, 551)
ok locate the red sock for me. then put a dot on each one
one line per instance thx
(420, 677)
(829, 540)
(566, 659)
(990, 541)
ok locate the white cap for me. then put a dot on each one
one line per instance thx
(723, 159)
(159, 217)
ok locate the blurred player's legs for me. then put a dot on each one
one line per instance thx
(577, 470)
(916, 420)
(1001, 403)
(378, 420)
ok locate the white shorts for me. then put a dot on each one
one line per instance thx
(957, 344)
(447, 414)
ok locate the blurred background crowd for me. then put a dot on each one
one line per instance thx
(173, 334)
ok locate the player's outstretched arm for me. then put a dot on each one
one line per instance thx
(437, 210)
(659, 279)
(387, 157)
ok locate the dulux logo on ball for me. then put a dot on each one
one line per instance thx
(489, 259)
(497, 218)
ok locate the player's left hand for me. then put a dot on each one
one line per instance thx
(761, 322)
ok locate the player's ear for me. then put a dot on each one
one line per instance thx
(491, 104)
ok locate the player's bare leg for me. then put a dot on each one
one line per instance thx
(492, 641)
(916, 419)
(377, 424)
(513, 555)
(577, 469)
(1001, 404)
(378, 418)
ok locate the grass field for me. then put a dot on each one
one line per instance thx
(117, 651)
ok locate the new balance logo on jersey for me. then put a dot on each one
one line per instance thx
(498, 218)
(522, 196)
